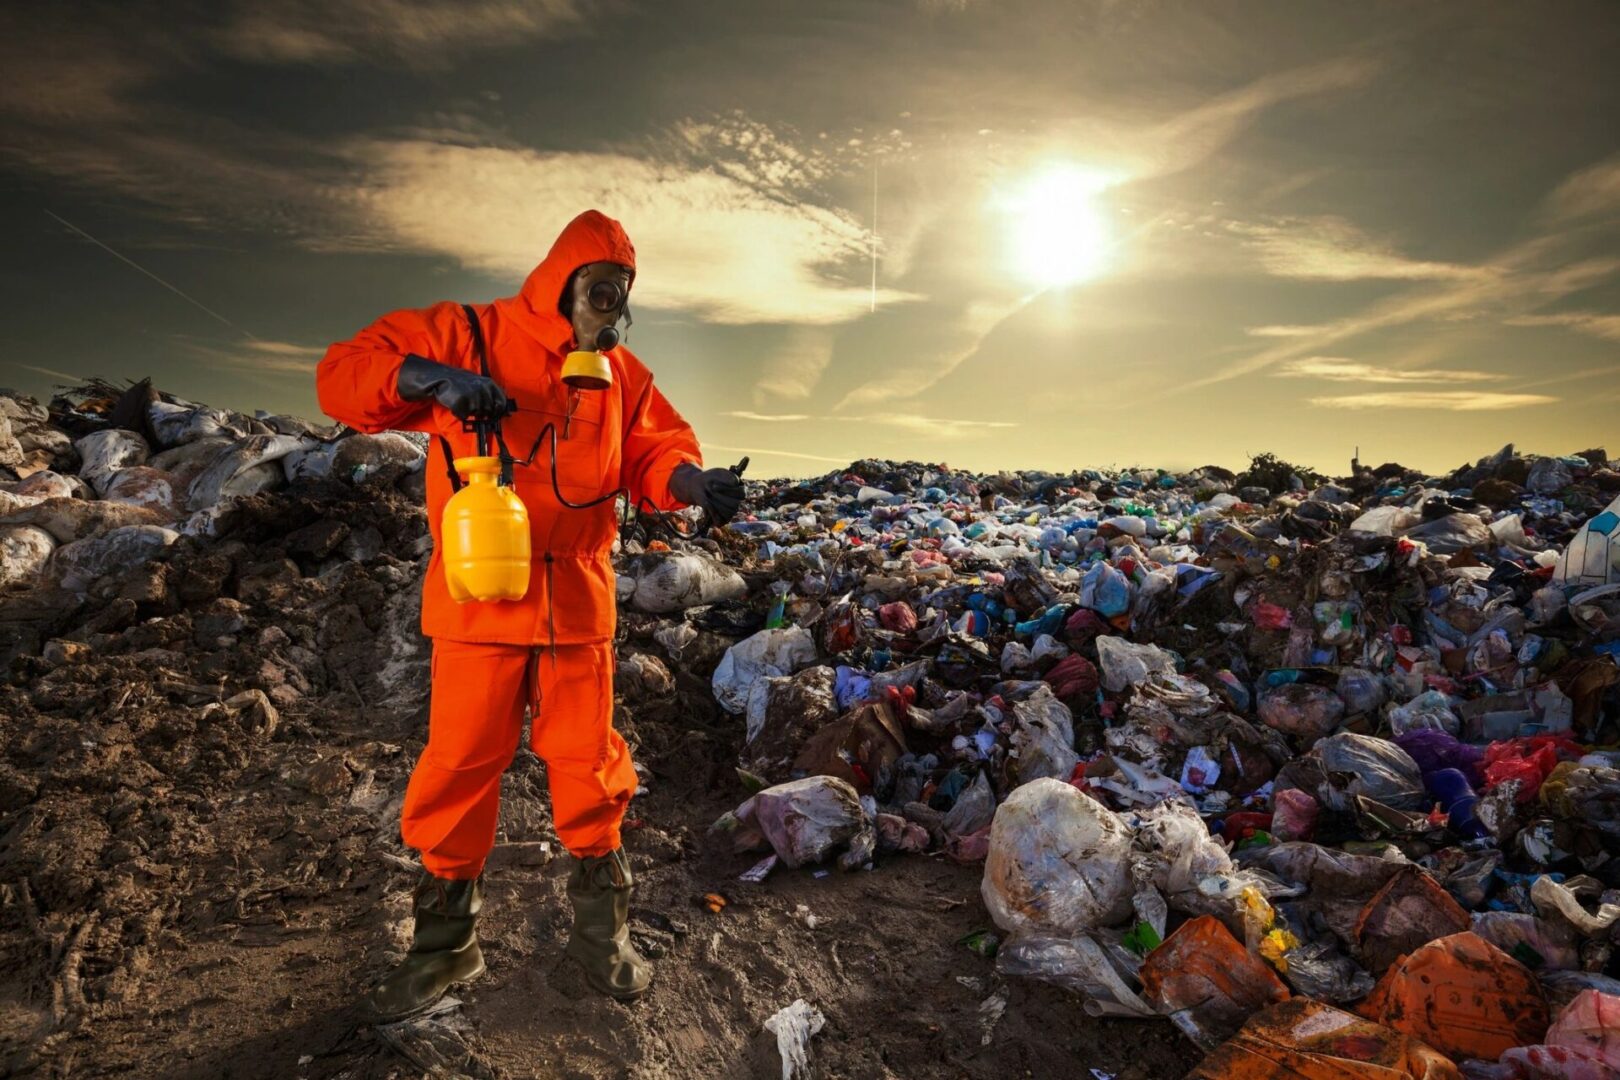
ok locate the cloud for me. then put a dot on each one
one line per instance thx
(975, 322)
(795, 370)
(258, 355)
(1593, 190)
(1603, 326)
(1331, 249)
(779, 453)
(777, 418)
(1452, 400)
(914, 422)
(927, 425)
(424, 34)
(1198, 133)
(706, 243)
(1336, 369)
(1282, 331)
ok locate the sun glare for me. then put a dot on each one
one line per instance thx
(1059, 235)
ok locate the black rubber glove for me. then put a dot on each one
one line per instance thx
(465, 393)
(718, 491)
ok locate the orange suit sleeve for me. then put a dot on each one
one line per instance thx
(356, 381)
(656, 440)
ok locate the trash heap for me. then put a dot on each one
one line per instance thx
(191, 600)
(1274, 757)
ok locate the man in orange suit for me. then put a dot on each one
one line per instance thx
(551, 651)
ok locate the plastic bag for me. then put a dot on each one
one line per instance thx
(974, 809)
(1434, 750)
(677, 582)
(767, 653)
(1583, 1043)
(1430, 709)
(1080, 964)
(1412, 909)
(804, 821)
(1302, 710)
(1043, 737)
(1363, 765)
(793, 1026)
(1539, 944)
(1058, 862)
(1294, 814)
(1105, 590)
(103, 453)
(1126, 663)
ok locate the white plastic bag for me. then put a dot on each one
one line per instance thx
(1043, 737)
(1058, 863)
(767, 653)
(678, 582)
(1126, 663)
(103, 453)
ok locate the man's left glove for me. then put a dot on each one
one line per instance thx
(718, 491)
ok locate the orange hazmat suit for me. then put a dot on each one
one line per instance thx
(486, 655)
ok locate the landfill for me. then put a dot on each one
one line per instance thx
(1312, 776)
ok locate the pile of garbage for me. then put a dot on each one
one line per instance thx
(191, 599)
(1283, 763)
(1273, 756)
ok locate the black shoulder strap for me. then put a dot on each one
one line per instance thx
(483, 369)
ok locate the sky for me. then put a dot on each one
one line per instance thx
(1012, 234)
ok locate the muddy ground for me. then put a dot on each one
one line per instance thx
(268, 992)
(200, 866)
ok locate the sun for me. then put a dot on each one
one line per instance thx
(1059, 234)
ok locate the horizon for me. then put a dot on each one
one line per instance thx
(1148, 232)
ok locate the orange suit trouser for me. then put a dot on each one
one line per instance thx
(479, 692)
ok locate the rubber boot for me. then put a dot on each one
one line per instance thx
(444, 948)
(599, 888)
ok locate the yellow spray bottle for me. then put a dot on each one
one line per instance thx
(485, 529)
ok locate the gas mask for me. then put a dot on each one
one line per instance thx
(596, 299)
